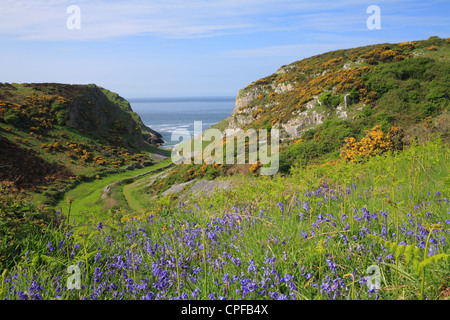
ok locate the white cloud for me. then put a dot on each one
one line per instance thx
(325, 43)
(46, 19)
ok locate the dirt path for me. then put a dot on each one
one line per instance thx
(128, 190)
(107, 190)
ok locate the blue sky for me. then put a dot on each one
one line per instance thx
(174, 48)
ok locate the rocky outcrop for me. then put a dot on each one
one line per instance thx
(283, 87)
(203, 187)
(283, 69)
(242, 114)
(298, 123)
(246, 96)
(177, 188)
(154, 138)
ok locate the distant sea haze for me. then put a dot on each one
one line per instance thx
(165, 115)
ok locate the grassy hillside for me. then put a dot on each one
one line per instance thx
(401, 83)
(54, 136)
(319, 102)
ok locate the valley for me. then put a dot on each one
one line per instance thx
(362, 184)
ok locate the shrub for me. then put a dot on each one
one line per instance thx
(13, 118)
(319, 143)
(374, 143)
(330, 100)
(354, 95)
(438, 95)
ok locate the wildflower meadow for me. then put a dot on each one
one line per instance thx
(375, 230)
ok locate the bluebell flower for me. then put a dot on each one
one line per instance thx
(50, 248)
(251, 266)
(332, 266)
(305, 206)
(319, 218)
(372, 291)
(282, 297)
(195, 293)
(148, 296)
(281, 206)
(99, 226)
(431, 251)
(22, 295)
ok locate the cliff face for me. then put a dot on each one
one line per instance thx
(247, 111)
(149, 135)
(246, 106)
(104, 112)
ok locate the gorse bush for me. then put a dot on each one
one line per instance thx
(373, 144)
(41, 112)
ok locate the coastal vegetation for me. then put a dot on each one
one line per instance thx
(359, 209)
(310, 235)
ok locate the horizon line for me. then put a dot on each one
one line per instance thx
(181, 98)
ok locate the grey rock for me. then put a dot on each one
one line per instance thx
(204, 186)
(347, 100)
(177, 188)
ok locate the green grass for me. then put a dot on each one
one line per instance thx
(87, 196)
(132, 200)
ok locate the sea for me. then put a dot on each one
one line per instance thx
(166, 115)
